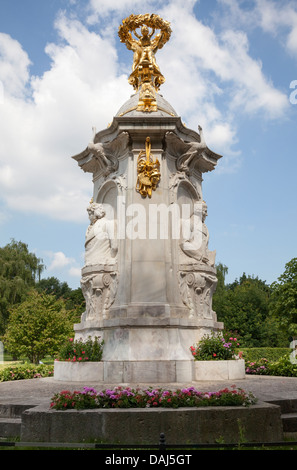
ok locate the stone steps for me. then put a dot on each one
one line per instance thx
(10, 427)
(289, 422)
(288, 414)
(11, 420)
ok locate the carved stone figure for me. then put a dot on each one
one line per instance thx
(99, 280)
(100, 243)
(102, 157)
(196, 246)
(188, 154)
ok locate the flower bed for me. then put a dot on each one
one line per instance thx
(149, 398)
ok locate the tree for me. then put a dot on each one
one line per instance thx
(19, 270)
(38, 327)
(74, 299)
(283, 303)
(243, 306)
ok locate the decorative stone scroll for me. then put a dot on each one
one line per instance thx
(197, 288)
(99, 290)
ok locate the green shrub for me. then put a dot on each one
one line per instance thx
(282, 367)
(90, 350)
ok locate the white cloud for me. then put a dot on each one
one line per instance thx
(14, 66)
(39, 136)
(278, 18)
(84, 87)
(226, 56)
(59, 260)
(75, 272)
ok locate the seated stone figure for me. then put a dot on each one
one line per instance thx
(196, 244)
(100, 243)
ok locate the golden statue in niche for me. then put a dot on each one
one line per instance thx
(146, 75)
(148, 174)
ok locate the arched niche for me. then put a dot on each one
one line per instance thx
(187, 196)
(108, 195)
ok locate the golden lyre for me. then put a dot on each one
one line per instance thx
(148, 171)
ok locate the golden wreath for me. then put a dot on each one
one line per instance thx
(153, 21)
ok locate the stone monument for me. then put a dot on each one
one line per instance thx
(149, 276)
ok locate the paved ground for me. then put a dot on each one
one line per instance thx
(40, 391)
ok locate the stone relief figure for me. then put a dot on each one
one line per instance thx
(100, 243)
(196, 245)
(99, 286)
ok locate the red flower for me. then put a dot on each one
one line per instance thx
(214, 354)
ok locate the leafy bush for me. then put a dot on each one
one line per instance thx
(283, 367)
(25, 371)
(90, 350)
(215, 346)
(151, 398)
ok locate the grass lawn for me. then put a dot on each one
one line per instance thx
(8, 361)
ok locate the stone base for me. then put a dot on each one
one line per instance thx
(153, 372)
(261, 423)
(147, 338)
(219, 370)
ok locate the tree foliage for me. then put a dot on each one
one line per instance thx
(284, 299)
(73, 298)
(244, 307)
(19, 270)
(38, 327)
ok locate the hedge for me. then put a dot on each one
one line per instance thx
(271, 354)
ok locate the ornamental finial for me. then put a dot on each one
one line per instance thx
(146, 76)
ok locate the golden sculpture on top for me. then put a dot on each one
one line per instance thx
(146, 76)
(148, 171)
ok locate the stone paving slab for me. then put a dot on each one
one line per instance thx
(40, 391)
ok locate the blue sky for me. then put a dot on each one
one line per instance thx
(228, 67)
